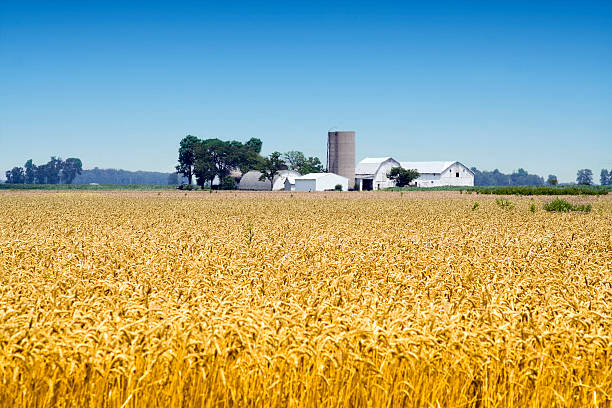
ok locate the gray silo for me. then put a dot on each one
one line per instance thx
(341, 155)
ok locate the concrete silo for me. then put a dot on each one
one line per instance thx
(341, 155)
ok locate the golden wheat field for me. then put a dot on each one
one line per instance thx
(286, 300)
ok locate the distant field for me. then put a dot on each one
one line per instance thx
(497, 190)
(517, 190)
(382, 299)
(102, 187)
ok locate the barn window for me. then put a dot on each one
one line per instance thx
(457, 174)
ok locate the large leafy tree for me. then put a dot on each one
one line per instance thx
(186, 156)
(402, 177)
(71, 168)
(270, 166)
(584, 177)
(204, 168)
(552, 180)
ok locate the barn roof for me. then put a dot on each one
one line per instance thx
(315, 176)
(429, 167)
(370, 165)
(250, 180)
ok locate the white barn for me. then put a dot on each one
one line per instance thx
(371, 173)
(319, 182)
(441, 173)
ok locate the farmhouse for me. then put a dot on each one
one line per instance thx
(320, 182)
(371, 173)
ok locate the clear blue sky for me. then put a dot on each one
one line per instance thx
(491, 84)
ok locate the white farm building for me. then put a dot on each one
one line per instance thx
(319, 182)
(251, 181)
(371, 173)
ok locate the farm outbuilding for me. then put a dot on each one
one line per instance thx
(320, 182)
(250, 180)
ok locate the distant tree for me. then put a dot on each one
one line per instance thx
(584, 177)
(270, 166)
(522, 178)
(40, 174)
(54, 168)
(497, 178)
(552, 180)
(17, 175)
(186, 156)
(30, 171)
(173, 179)
(605, 178)
(402, 177)
(71, 168)
(8, 176)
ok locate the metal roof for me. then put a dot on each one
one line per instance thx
(315, 176)
(250, 180)
(429, 167)
(370, 165)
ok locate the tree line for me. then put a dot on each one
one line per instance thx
(55, 171)
(210, 159)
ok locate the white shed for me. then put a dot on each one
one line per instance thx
(320, 182)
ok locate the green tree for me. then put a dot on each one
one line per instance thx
(186, 156)
(402, 177)
(71, 168)
(312, 165)
(204, 169)
(254, 144)
(294, 159)
(227, 183)
(298, 162)
(584, 177)
(552, 180)
(30, 171)
(270, 166)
